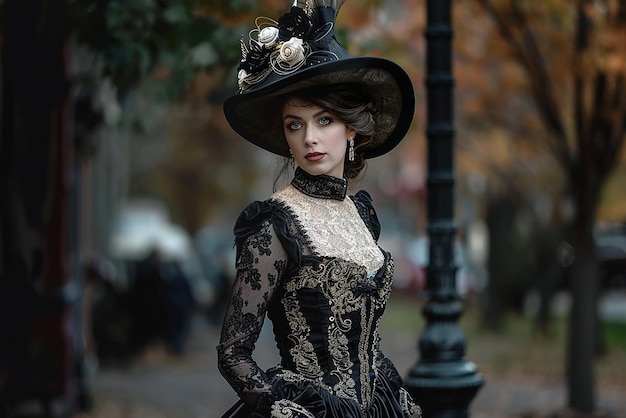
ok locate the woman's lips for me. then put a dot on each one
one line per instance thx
(314, 156)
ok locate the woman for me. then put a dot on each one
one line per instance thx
(307, 257)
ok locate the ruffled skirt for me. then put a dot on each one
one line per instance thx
(304, 399)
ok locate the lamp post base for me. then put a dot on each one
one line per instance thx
(444, 389)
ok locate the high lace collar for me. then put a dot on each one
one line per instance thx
(322, 186)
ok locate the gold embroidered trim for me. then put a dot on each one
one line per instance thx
(410, 408)
(303, 351)
(285, 408)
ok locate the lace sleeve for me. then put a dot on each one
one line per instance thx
(261, 260)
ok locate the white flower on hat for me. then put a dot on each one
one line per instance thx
(241, 77)
(268, 36)
(292, 52)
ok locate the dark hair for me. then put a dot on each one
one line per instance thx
(354, 107)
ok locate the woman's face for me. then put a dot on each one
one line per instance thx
(317, 139)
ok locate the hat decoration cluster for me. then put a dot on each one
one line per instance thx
(283, 47)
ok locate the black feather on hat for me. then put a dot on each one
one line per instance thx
(300, 51)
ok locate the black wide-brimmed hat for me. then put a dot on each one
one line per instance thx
(300, 51)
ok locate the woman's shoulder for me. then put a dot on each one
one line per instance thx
(364, 203)
(252, 216)
(255, 215)
(365, 206)
(363, 197)
(262, 217)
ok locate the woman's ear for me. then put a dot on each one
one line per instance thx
(350, 133)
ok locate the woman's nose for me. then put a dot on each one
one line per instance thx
(311, 137)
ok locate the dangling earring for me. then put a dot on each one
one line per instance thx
(292, 161)
(351, 150)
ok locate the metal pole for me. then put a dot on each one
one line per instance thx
(442, 382)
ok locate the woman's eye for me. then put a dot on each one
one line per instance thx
(294, 125)
(325, 120)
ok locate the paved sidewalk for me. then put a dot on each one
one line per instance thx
(160, 386)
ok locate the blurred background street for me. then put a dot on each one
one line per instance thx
(159, 385)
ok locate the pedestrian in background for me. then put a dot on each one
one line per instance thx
(179, 303)
(147, 302)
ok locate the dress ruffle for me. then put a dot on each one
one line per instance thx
(305, 399)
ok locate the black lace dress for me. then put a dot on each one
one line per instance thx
(308, 258)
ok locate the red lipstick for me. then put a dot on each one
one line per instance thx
(314, 156)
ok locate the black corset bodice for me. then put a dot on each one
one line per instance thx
(308, 258)
(325, 319)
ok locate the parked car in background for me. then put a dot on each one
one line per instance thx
(611, 251)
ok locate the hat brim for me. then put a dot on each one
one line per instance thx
(255, 114)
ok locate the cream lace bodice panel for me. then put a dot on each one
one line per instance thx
(334, 227)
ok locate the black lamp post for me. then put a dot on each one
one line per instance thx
(442, 382)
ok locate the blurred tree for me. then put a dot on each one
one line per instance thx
(572, 58)
(35, 240)
(56, 56)
(166, 42)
